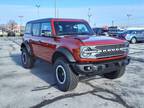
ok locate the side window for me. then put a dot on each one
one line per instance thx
(142, 32)
(46, 29)
(36, 29)
(28, 28)
(139, 32)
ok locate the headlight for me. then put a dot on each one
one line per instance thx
(88, 52)
(126, 48)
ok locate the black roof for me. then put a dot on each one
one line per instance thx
(39, 20)
(48, 19)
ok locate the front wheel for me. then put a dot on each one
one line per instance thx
(66, 79)
(115, 74)
(133, 40)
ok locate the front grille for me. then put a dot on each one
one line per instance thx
(110, 50)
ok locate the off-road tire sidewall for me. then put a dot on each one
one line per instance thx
(71, 78)
(134, 40)
(29, 60)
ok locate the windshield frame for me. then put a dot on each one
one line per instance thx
(91, 32)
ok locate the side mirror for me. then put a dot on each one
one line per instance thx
(46, 33)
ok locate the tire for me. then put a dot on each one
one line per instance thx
(133, 40)
(27, 60)
(115, 74)
(65, 78)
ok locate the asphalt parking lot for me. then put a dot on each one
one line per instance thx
(35, 88)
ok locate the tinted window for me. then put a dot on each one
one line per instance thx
(72, 28)
(28, 28)
(46, 28)
(139, 32)
(142, 32)
(36, 30)
(130, 32)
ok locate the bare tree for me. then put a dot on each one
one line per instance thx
(12, 25)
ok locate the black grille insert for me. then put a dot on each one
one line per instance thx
(110, 50)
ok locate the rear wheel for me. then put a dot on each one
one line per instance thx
(134, 40)
(66, 79)
(115, 74)
(27, 59)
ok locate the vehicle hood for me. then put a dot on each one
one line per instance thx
(94, 40)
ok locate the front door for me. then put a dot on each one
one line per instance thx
(47, 42)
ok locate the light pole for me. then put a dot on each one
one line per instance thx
(112, 23)
(21, 24)
(55, 8)
(89, 15)
(128, 16)
(57, 13)
(38, 7)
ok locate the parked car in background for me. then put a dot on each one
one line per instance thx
(101, 31)
(5, 33)
(132, 36)
(1, 33)
(11, 33)
(114, 31)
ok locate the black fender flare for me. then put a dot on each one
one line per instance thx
(66, 53)
(27, 46)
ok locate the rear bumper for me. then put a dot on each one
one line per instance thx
(99, 68)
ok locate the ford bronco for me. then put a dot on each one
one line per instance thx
(74, 50)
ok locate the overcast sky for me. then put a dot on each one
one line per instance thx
(103, 11)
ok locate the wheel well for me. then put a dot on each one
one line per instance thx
(23, 46)
(58, 55)
(134, 37)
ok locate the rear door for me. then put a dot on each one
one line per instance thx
(35, 39)
(139, 36)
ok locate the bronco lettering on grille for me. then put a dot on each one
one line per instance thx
(110, 50)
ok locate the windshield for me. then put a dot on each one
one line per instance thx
(72, 28)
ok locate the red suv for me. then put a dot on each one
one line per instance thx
(74, 50)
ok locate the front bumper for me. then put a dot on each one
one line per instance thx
(99, 68)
